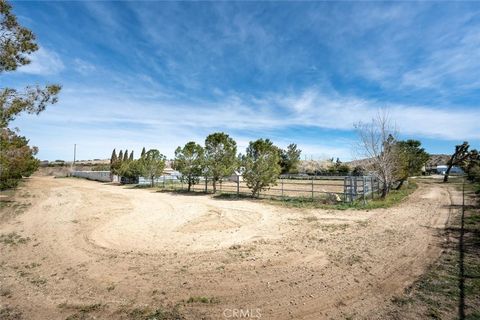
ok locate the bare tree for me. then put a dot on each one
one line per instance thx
(376, 147)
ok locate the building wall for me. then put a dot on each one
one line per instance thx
(103, 176)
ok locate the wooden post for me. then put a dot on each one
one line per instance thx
(312, 188)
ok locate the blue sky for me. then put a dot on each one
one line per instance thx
(159, 74)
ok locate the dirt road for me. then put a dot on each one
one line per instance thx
(88, 250)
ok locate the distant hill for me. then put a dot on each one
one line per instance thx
(438, 159)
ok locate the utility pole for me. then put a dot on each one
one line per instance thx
(74, 154)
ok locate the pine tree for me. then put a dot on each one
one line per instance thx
(113, 158)
(142, 155)
(125, 156)
(120, 156)
(131, 156)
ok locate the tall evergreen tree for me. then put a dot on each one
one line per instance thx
(125, 156)
(290, 158)
(113, 158)
(120, 156)
(131, 156)
(142, 155)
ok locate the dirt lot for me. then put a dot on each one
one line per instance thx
(86, 250)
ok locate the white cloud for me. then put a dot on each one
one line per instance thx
(317, 109)
(83, 67)
(113, 120)
(43, 62)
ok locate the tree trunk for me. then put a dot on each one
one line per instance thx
(400, 184)
(214, 186)
(445, 178)
(189, 185)
(385, 191)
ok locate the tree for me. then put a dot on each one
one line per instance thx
(130, 169)
(120, 156)
(472, 166)
(261, 165)
(410, 160)
(131, 156)
(113, 162)
(33, 101)
(459, 158)
(358, 171)
(220, 156)
(338, 167)
(190, 162)
(143, 153)
(16, 43)
(376, 145)
(152, 165)
(113, 158)
(125, 156)
(290, 159)
(17, 158)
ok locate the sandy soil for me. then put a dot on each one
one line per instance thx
(90, 250)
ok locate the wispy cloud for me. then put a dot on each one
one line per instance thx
(43, 62)
(162, 73)
(83, 67)
(170, 123)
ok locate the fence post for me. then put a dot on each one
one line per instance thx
(355, 190)
(352, 189)
(364, 183)
(312, 188)
(206, 181)
(372, 187)
(238, 185)
(345, 189)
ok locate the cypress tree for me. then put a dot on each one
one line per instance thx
(120, 156)
(113, 158)
(131, 156)
(143, 153)
(125, 155)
